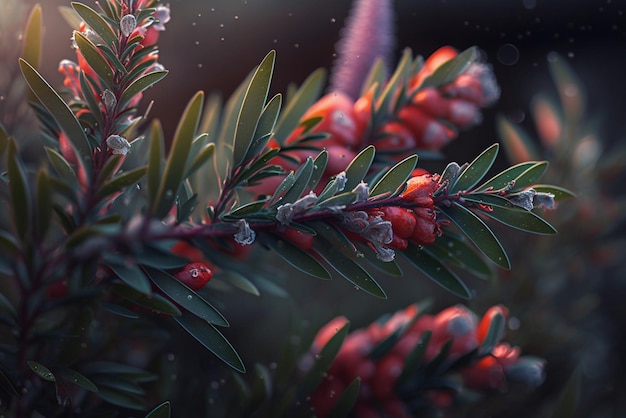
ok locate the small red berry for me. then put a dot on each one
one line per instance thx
(195, 275)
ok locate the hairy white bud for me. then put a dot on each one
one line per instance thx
(118, 144)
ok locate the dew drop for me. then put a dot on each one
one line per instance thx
(332, 20)
(508, 54)
(189, 297)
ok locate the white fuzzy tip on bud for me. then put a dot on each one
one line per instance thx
(128, 23)
(118, 145)
(245, 235)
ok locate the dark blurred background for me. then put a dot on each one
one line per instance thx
(572, 312)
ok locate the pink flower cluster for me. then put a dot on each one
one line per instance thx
(380, 389)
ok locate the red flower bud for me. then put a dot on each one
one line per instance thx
(485, 322)
(195, 275)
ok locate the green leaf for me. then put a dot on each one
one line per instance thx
(71, 17)
(517, 143)
(200, 158)
(346, 401)
(4, 140)
(301, 182)
(323, 360)
(174, 168)
(119, 310)
(155, 303)
(185, 297)
(62, 167)
(94, 58)
(479, 233)
(125, 371)
(295, 256)
(521, 219)
(7, 385)
(388, 267)
(451, 69)
(96, 22)
(61, 112)
(337, 251)
(559, 192)
(122, 398)
(502, 180)
(123, 180)
(395, 83)
(436, 271)
(31, 46)
(161, 411)
(78, 379)
(395, 178)
(569, 399)
(132, 276)
(319, 166)
(248, 210)
(211, 339)
(265, 126)
(338, 200)
(530, 176)
(41, 371)
(454, 250)
(296, 107)
(284, 185)
(240, 282)
(475, 171)
(413, 361)
(359, 167)
(141, 84)
(44, 202)
(494, 334)
(159, 258)
(87, 89)
(251, 108)
(155, 159)
(19, 188)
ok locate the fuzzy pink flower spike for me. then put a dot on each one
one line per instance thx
(368, 35)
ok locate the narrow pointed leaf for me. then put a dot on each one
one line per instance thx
(7, 385)
(161, 411)
(44, 202)
(559, 192)
(494, 334)
(454, 250)
(31, 46)
(301, 182)
(240, 282)
(62, 167)
(122, 398)
(119, 310)
(265, 127)
(323, 361)
(517, 143)
(155, 159)
(78, 379)
(61, 112)
(388, 267)
(359, 167)
(19, 188)
(501, 180)
(41, 371)
(185, 297)
(296, 107)
(332, 246)
(414, 359)
(211, 339)
(437, 272)
(347, 400)
(251, 108)
(475, 171)
(479, 233)
(123, 180)
(530, 176)
(451, 69)
(94, 58)
(295, 256)
(96, 22)
(521, 219)
(132, 276)
(175, 166)
(319, 166)
(141, 84)
(395, 178)
(156, 302)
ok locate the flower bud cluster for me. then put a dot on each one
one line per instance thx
(382, 394)
(428, 122)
